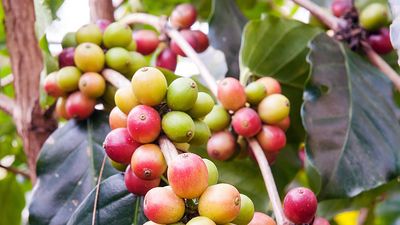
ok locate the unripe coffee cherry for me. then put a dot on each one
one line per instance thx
(103, 24)
(255, 92)
(66, 57)
(167, 59)
(69, 40)
(60, 108)
(92, 84)
(262, 219)
(200, 220)
(340, 7)
(202, 41)
(125, 99)
(188, 175)
(231, 94)
(218, 119)
(246, 212)
(203, 105)
(68, 78)
(320, 221)
(183, 16)
(148, 162)
(117, 35)
(149, 77)
(89, 33)
(271, 138)
(274, 108)
(117, 119)
(161, 205)
(182, 94)
(144, 124)
(213, 174)
(380, 41)
(201, 133)
(120, 146)
(89, 57)
(271, 85)
(374, 16)
(220, 203)
(79, 106)
(119, 59)
(178, 126)
(118, 166)
(146, 41)
(221, 145)
(189, 37)
(51, 85)
(246, 122)
(300, 205)
(138, 186)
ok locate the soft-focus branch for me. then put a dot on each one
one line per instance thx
(101, 9)
(15, 171)
(116, 79)
(6, 104)
(168, 149)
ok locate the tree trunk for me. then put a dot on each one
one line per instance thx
(33, 124)
(101, 9)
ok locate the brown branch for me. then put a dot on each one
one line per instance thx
(115, 78)
(101, 9)
(16, 171)
(96, 197)
(6, 104)
(168, 149)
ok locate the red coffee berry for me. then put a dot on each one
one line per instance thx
(138, 186)
(144, 124)
(146, 41)
(51, 85)
(380, 41)
(120, 146)
(271, 138)
(167, 59)
(261, 219)
(189, 37)
(117, 119)
(221, 145)
(79, 106)
(148, 162)
(231, 94)
(340, 7)
(246, 122)
(183, 16)
(320, 221)
(66, 57)
(284, 124)
(271, 85)
(202, 41)
(300, 205)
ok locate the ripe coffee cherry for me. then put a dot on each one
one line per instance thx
(271, 138)
(117, 35)
(89, 57)
(125, 99)
(149, 77)
(380, 41)
(144, 124)
(188, 175)
(182, 94)
(271, 85)
(274, 108)
(69, 40)
(138, 186)
(202, 41)
(218, 119)
(300, 205)
(201, 133)
(79, 106)
(340, 7)
(255, 92)
(213, 174)
(320, 221)
(178, 126)
(102, 24)
(117, 119)
(374, 16)
(167, 59)
(261, 219)
(221, 145)
(220, 202)
(51, 85)
(200, 220)
(203, 105)
(119, 59)
(89, 33)
(189, 37)
(68, 78)
(284, 124)
(231, 94)
(92, 84)
(60, 108)
(120, 146)
(170, 210)
(246, 122)
(246, 212)
(66, 57)
(146, 41)
(183, 16)
(148, 162)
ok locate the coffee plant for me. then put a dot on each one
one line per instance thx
(301, 127)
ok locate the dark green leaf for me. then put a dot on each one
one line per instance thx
(225, 30)
(53, 5)
(348, 113)
(278, 48)
(67, 169)
(115, 206)
(388, 211)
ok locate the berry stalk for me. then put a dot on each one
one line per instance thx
(168, 149)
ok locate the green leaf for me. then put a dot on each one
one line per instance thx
(165, 7)
(115, 206)
(53, 5)
(225, 30)
(67, 169)
(43, 18)
(352, 131)
(278, 47)
(388, 211)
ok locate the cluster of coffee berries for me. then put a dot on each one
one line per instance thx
(258, 110)
(144, 110)
(374, 18)
(85, 54)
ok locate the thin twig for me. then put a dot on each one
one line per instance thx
(268, 180)
(115, 78)
(98, 190)
(7, 104)
(168, 149)
(142, 18)
(16, 171)
(6, 80)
